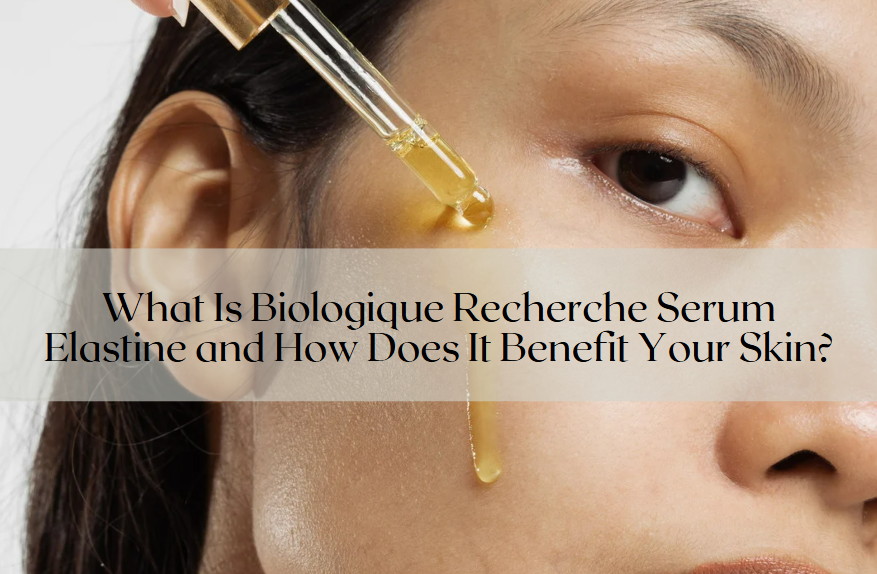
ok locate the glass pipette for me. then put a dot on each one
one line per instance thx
(365, 89)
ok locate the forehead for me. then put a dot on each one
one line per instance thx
(815, 57)
(841, 34)
(831, 22)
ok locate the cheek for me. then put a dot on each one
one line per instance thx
(334, 481)
(385, 486)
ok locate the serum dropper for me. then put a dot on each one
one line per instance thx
(363, 87)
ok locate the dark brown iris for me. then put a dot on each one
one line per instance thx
(652, 177)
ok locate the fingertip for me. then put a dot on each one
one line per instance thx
(160, 8)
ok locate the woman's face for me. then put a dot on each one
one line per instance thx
(597, 123)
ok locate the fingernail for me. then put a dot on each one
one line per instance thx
(181, 11)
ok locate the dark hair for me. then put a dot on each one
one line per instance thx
(124, 487)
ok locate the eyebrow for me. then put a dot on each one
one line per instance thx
(788, 69)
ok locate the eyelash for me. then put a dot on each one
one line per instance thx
(701, 167)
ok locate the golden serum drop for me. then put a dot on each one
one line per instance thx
(483, 431)
(444, 172)
(484, 438)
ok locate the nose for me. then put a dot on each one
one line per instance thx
(827, 447)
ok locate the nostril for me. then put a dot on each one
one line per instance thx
(802, 461)
(869, 518)
(869, 512)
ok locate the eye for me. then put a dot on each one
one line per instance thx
(668, 183)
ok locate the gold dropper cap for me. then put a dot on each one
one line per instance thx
(240, 20)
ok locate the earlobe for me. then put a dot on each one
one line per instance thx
(190, 181)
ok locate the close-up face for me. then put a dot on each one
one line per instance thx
(598, 124)
(594, 124)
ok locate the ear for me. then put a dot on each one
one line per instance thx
(190, 180)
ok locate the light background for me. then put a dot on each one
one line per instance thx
(67, 66)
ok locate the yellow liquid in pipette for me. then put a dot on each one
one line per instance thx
(446, 174)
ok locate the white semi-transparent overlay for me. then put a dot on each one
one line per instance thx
(492, 324)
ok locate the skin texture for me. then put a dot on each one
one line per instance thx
(624, 488)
